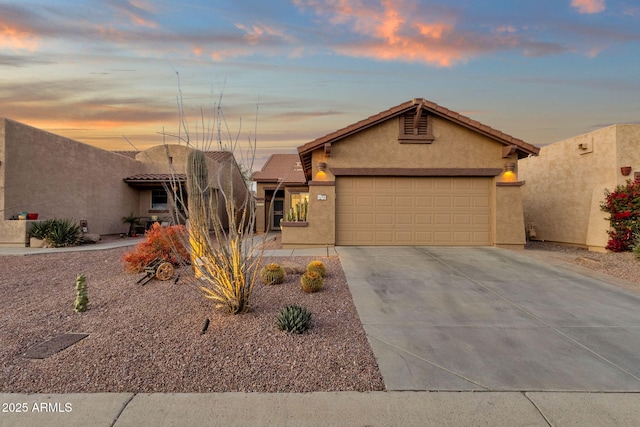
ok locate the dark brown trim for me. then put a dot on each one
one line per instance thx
(320, 183)
(294, 224)
(510, 184)
(488, 172)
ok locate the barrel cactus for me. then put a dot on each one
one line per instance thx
(318, 267)
(311, 281)
(272, 274)
(294, 318)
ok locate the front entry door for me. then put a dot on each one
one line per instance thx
(278, 213)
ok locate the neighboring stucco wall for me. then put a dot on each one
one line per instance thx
(61, 178)
(565, 184)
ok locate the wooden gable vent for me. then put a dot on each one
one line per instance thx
(416, 128)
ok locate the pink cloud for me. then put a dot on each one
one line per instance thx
(395, 30)
(12, 37)
(589, 6)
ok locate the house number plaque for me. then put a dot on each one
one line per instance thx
(322, 197)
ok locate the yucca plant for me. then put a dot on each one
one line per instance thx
(311, 281)
(40, 229)
(62, 233)
(294, 318)
(272, 274)
(318, 267)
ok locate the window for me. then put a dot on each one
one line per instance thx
(299, 204)
(416, 128)
(159, 200)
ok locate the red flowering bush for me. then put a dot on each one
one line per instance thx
(166, 243)
(623, 205)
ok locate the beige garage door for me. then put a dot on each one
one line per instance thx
(413, 211)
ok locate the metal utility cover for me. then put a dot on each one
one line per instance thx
(53, 346)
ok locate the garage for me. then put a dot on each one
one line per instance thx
(405, 211)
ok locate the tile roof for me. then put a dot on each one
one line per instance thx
(523, 149)
(281, 166)
(156, 177)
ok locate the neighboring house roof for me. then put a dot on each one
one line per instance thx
(522, 148)
(285, 167)
(152, 179)
(131, 154)
(214, 155)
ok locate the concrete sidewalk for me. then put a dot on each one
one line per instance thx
(322, 409)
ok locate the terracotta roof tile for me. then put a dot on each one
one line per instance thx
(305, 150)
(155, 177)
(281, 166)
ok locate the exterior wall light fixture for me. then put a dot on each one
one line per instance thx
(322, 167)
(509, 174)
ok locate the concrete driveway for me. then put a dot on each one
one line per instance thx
(452, 318)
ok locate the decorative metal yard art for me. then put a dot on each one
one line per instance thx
(158, 269)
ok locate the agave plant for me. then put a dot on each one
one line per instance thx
(294, 318)
(62, 233)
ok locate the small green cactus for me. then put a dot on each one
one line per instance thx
(272, 274)
(82, 299)
(311, 281)
(318, 267)
(294, 318)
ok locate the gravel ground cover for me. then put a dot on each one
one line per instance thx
(148, 338)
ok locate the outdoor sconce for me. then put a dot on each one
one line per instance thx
(509, 172)
(321, 174)
(625, 170)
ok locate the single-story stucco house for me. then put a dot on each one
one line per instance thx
(566, 184)
(57, 177)
(415, 174)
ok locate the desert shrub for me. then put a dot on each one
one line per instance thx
(272, 274)
(40, 229)
(623, 206)
(318, 267)
(294, 318)
(164, 243)
(57, 233)
(311, 281)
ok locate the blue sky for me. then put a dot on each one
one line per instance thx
(99, 71)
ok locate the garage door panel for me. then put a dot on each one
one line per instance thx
(413, 211)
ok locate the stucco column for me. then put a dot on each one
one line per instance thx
(320, 228)
(509, 216)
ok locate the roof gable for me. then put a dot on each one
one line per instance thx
(522, 148)
(285, 167)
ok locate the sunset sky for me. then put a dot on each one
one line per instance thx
(102, 70)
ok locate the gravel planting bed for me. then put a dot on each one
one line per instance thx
(148, 338)
(613, 265)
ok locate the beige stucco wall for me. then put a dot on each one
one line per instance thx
(321, 228)
(454, 147)
(61, 178)
(378, 147)
(565, 184)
